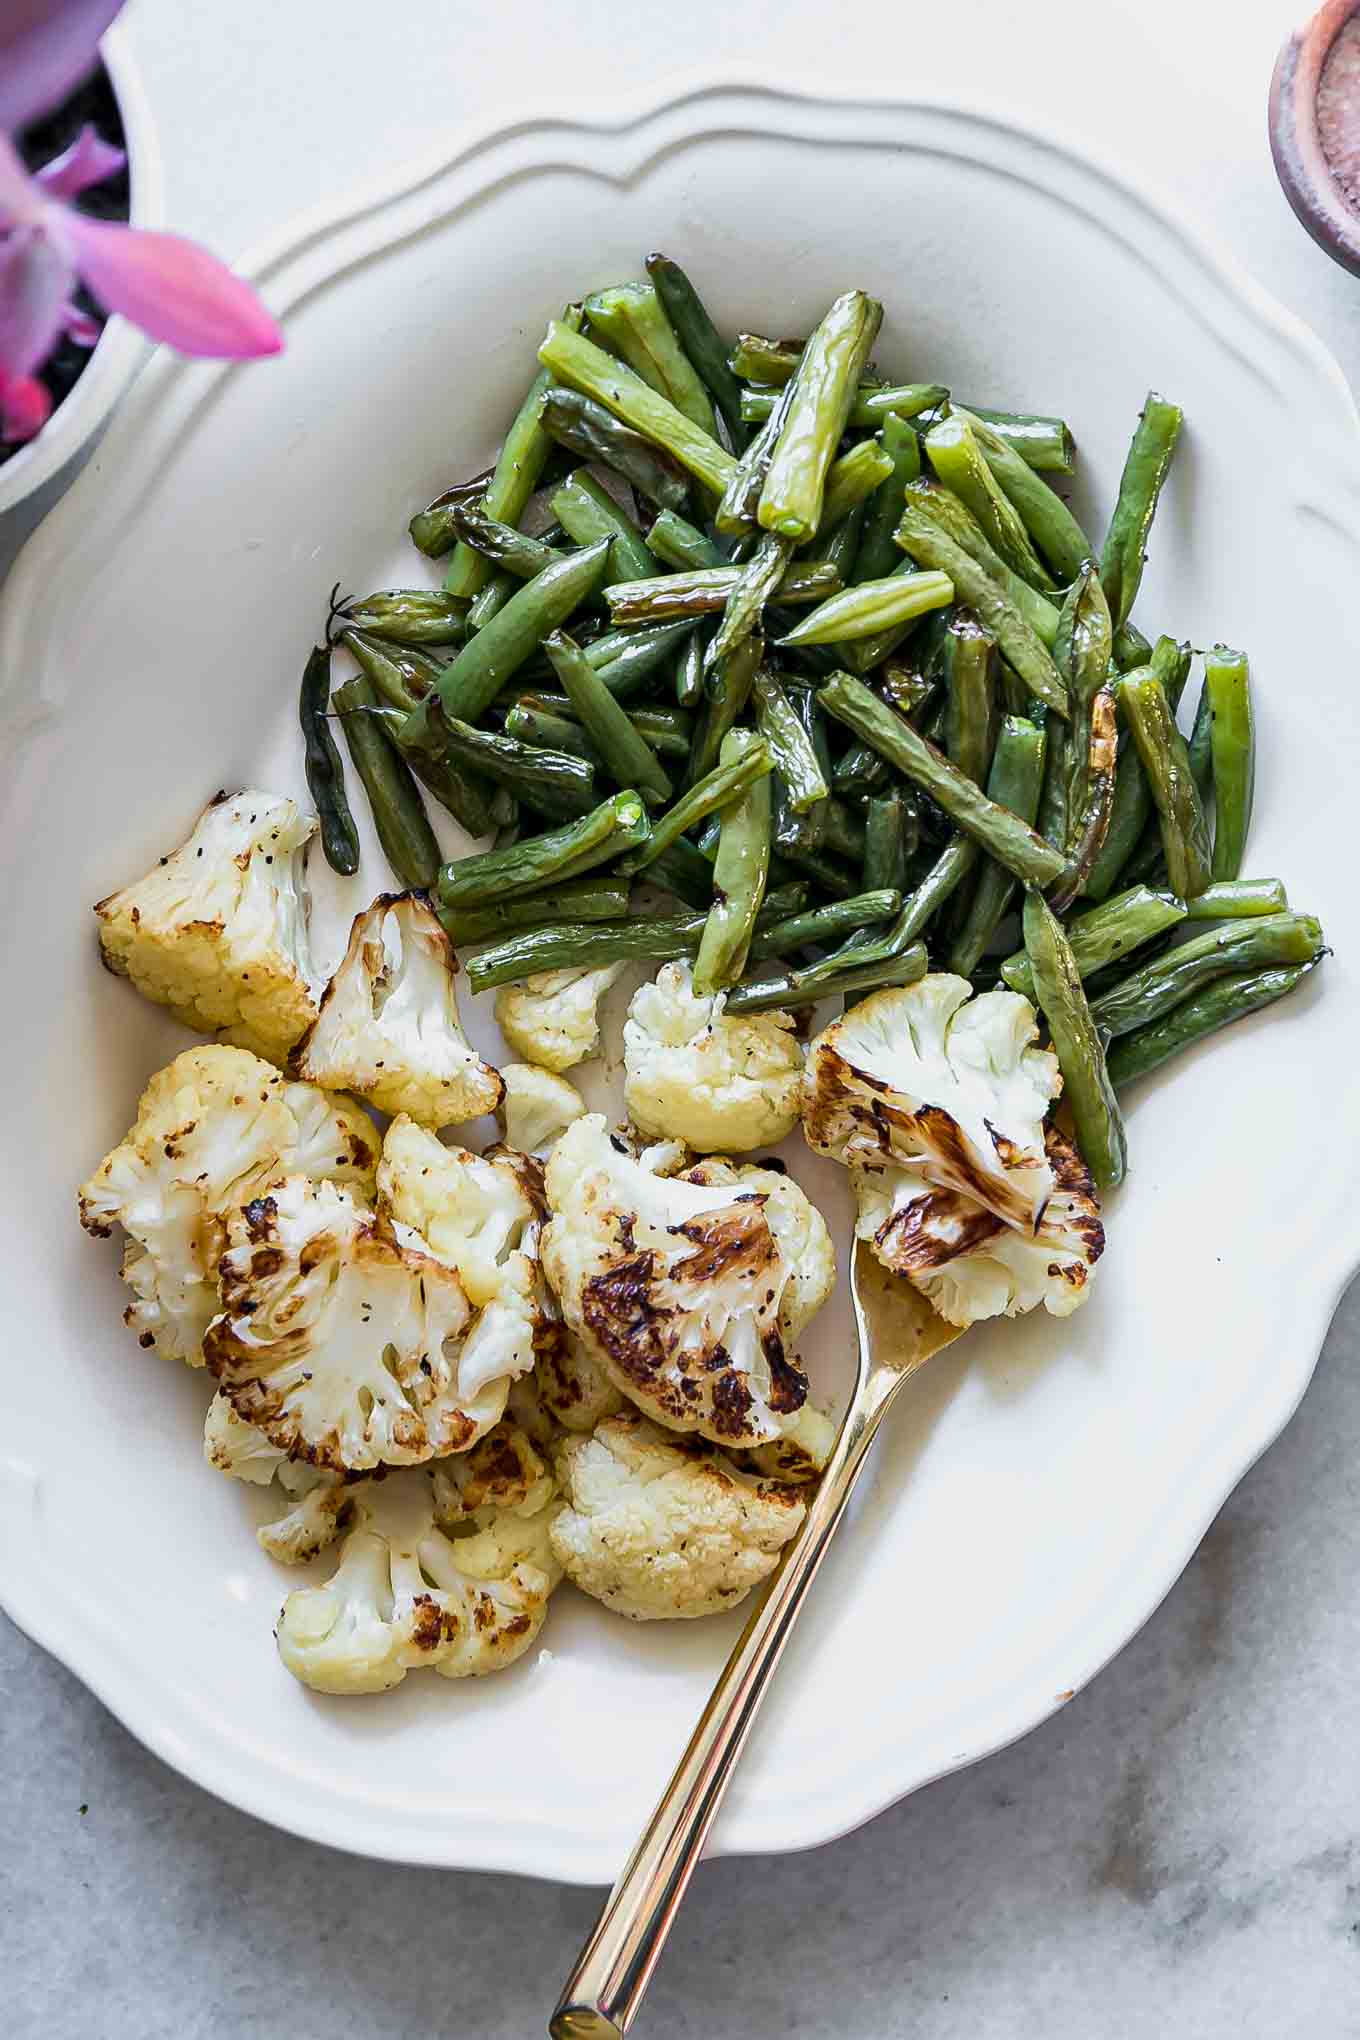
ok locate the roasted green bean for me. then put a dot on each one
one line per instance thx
(625, 751)
(1169, 980)
(469, 685)
(851, 481)
(410, 616)
(849, 969)
(970, 713)
(321, 762)
(889, 830)
(1054, 530)
(608, 831)
(823, 391)
(873, 404)
(699, 337)
(587, 429)
(575, 360)
(633, 320)
(1218, 1005)
(1232, 749)
(1238, 899)
(674, 540)
(1145, 470)
(726, 698)
(399, 817)
(871, 607)
(1002, 834)
(958, 462)
(1104, 934)
(787, 742)
(701, 592)
(554, 783)
(588, 513)
(878, 554)
(1016, 639)
(1014, 782)
(432, 529)
(1166, 763)
(1087, 1087)
(958, 523)
(580, 899)
(500, 543)
(741, 870)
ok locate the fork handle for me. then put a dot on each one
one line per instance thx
(605, 1988)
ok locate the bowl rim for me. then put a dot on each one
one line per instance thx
(324, 242)
(1306, 177)
(120, 348)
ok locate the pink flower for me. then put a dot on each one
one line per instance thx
(173, 289)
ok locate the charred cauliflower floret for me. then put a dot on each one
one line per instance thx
(214, 1127)
(498, 1502)
(403, 1596)
(677, 1284)
(537, 1108)
(318, 1504)
(937, 1105)
(656, 1528)
(966, 1261)
(388, 1025)
(218, 930)
(801, 1454)
(342, 1337)
(573, 1387)
(715, 1080)
(552, 1019)
(925, 1078)
(481, 1216)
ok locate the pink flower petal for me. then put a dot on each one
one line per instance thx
(89, 160)
(80, 327)
(36, 278)
(46, 47)
(25, 407)
(21, 202)
(173, 289)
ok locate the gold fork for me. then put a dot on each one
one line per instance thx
(898, 1333)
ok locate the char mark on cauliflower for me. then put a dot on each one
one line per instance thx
(342, 1342)
(967, 1262)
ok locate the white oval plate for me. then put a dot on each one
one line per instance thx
(1045, 1483)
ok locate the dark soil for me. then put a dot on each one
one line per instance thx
(93, 102)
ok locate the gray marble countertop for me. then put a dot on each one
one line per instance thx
(1180, 1846)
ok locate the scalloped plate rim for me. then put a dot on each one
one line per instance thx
(784, 1825)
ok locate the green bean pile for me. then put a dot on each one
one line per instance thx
(827, 659)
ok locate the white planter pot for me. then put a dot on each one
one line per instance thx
(121, 348)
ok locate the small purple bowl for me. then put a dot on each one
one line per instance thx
(1298, 135)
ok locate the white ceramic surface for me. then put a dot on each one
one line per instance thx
(1045, 1483)
(120, 347)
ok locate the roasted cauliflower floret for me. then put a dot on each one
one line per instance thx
(801, 1454)
(714, 1080)
(343, 1338)
(537, 1108)
(552, 1019)
(498, 1502)
(572, 1386)
(214, 1127)
(319, 1504)
(948, 1087)
(481, 1216)
(966, 1261)
(403, 1596)
(388, 1026)
(799, 1229)
(474, 1211)
(218, 930)
(657, 1529)
(677, 1284)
